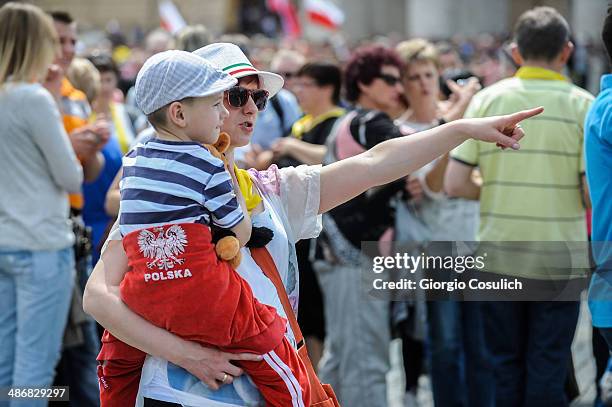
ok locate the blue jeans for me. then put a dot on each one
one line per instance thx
(77, 367)
(35, 293)
(530, 344)
(461, 370)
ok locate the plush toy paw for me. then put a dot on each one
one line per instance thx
(228, 249)
(234, 262)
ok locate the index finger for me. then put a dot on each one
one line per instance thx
(518, 117)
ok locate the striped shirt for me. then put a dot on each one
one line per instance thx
(533, 194)
(175, 182)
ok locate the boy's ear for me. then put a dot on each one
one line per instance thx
(176, 114)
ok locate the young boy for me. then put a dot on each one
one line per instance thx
(172, 189)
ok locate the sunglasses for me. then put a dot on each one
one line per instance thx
(238, 96)
(390, 80)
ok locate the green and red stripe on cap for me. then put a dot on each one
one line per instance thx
(235, 69)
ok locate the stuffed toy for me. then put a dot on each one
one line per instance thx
(227, 246)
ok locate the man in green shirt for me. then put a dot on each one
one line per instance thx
(534, 195)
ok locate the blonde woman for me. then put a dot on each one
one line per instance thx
(38, 168)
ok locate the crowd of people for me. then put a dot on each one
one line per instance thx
(126, 167)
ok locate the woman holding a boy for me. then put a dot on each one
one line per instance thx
(287, 201)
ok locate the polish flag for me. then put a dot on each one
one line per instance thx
(324, 13)
(171, 18)
(288, 16)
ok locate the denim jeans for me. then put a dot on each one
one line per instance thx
(530, 344)
(461, 370)
(77, 367)
(35, 293)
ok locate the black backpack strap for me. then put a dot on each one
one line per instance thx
(278, 109)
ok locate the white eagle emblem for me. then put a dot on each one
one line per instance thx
(163, 247)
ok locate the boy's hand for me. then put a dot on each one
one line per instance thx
(260, 236)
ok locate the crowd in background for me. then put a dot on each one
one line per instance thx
(315, 119)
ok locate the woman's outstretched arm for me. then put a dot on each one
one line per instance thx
(102, 301)
(398, 157)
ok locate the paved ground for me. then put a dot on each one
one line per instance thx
(583, 363)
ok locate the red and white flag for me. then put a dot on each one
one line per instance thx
(171, 18)
(324, 13)
(288, 16)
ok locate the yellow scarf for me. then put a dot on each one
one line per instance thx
(249, 192)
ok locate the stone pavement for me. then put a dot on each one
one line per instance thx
(584, 365)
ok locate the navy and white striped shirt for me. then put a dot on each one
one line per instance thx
(175, 182)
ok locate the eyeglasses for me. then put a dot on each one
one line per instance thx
(390, 80)
(238, 96)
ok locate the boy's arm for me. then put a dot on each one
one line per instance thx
(113, 196)
(242, 230)
(222, 197)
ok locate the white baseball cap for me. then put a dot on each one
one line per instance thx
(230, 59)
(175, 75)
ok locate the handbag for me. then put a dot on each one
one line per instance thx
(322, 395)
